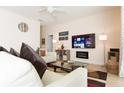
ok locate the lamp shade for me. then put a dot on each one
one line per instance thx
(103, 37)
(54, 41)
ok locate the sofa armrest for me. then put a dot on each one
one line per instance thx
(50, 77)
(77, 78)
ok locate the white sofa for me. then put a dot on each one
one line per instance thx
(77, 78)
(50, 57)
(15, 71)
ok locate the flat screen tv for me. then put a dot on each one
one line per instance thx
(83, 41)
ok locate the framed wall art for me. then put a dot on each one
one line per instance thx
(43, 41)
(63, 35)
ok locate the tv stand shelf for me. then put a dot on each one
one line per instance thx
(113, 61)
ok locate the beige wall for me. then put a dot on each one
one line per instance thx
(11, 36)
(103, 22)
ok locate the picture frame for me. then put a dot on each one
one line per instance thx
(63, 35)
(43, 41)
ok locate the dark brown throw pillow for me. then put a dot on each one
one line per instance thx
(3, 49)
(29, 54)
(14, 52)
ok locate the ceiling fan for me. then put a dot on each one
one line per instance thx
(50, 13)
(53, 11)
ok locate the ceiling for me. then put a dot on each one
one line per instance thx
(68, 13)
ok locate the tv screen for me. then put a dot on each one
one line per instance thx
(83, 41)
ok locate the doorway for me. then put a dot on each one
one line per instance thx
(50, 43)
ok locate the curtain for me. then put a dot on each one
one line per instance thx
(121, 66)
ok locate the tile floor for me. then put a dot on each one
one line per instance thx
(112, 80)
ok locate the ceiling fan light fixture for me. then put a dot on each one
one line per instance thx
(50, 9)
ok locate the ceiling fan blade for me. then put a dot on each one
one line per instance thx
(58, 10)
(40, 20)
(42, 10)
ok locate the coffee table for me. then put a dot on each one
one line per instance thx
(67, 66)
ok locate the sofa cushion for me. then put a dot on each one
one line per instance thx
(3, 49)
(29, 54)
(14, 52)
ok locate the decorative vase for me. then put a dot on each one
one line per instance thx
(62, 46)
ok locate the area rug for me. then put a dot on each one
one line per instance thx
(97, 79)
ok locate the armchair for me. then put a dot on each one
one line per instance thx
(50, 57)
